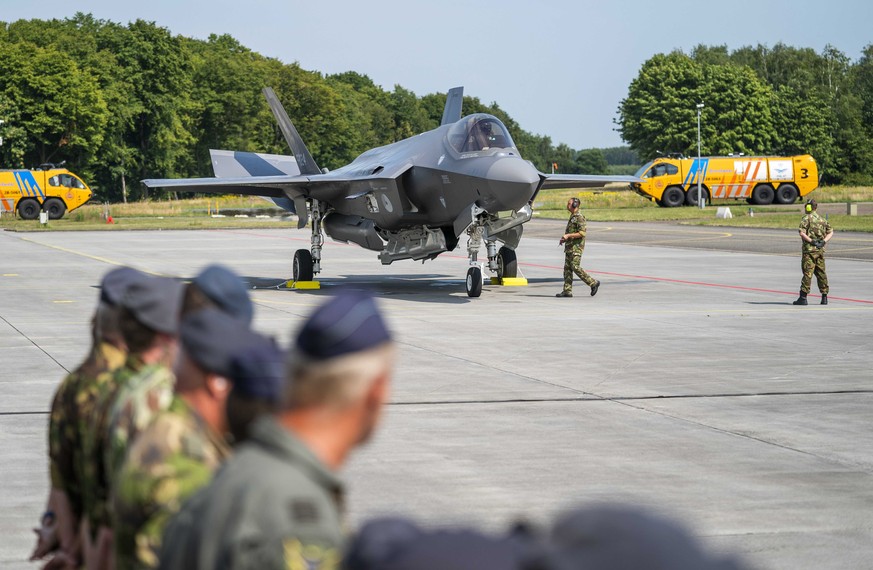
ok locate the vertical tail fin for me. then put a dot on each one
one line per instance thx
(452, 110)
(305, 161)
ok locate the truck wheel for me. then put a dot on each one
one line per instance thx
(762, 195)
(28, 209)
(55, 208)
(691, 195)
(673, 196)
(786, 194)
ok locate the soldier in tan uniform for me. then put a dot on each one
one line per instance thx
(277, 503)
(573, 241)
(815, 232)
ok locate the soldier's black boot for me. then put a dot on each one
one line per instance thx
(824, 299)
(594, 288)
(801, 300)
(564, 294)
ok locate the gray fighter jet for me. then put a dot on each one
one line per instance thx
(413, 199)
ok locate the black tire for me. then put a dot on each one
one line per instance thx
(507, 263)
(474, 282)
(55, 208)
(673, 197)
(763, 194)
(302, 269)
(28, 209)
(787, 194)
(691, 195)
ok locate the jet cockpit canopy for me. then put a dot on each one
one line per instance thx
(479, 132)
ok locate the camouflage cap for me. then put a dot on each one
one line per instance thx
(397, 544)
(611, 536)
(347, 323)
(257, 369)
(227, 291)
(155, 302)
(210, 337)
(115, 283)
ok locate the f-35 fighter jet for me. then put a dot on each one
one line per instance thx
(412, 199)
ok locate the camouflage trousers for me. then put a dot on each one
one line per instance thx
(813, 262)
(571, 266)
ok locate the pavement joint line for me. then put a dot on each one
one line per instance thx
(624, 399)
(83, 254)
(41, 349)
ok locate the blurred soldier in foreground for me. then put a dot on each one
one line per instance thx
(573, 241)
(149, 322)
(815, 232)
(60, 522)
(277, 502)
(184, 444)
(257, 373)
(617, 537)
(135, 404)
(398, 544)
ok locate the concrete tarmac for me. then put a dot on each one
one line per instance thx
(689, 384)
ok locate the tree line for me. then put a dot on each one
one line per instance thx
(124, 102)
(757, 100)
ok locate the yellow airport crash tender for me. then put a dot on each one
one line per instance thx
(672, 181)
(54, 190)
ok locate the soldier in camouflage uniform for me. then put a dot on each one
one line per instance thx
(149, 319)
(815, 232)
(178, 452)
(107, 353)
(277, 503)
(573, 241)
(136, 403)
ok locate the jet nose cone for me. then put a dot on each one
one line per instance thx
(513, 170)
(513, 182)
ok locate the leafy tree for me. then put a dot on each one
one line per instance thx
(591, 161)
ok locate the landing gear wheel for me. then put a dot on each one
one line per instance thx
(28, 209)
(786, 194)
(762, 195)
(507, 264)
(474, 282)
(691, 198)
(55, 208)
(302, 270)
(673, 196)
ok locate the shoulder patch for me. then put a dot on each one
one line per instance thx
(300, 556)
(304, 511)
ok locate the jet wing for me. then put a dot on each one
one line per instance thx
(583, 180)
(326, 188)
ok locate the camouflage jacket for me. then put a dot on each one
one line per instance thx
(171, 459)
(132, 410)
(65, 463)
(815, 227)
(95, 438)
(274, 504)
(576, 224)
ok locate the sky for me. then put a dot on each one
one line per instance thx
(558, 67)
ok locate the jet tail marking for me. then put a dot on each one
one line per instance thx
(305, 161)
(452, 110)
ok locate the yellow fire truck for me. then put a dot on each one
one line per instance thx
(672, 181)
(55, 190)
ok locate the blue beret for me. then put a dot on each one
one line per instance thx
(623, 537)
(155, 302)
(347, 323)
(394, 544)
(116, 282)
(257, 369)
(210, 337)
(227, 290)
